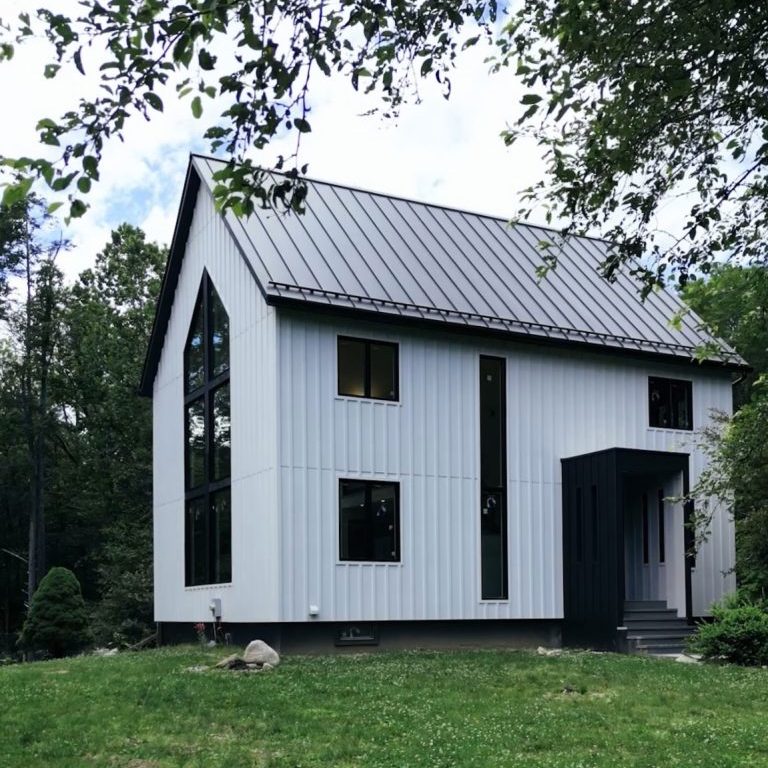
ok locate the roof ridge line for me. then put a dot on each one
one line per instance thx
(426, 203)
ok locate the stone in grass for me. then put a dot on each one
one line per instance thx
(258, 653)
(228, 662)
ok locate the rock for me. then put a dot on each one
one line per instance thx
(267, 666)
(258, 652)
(541, 651)
(688, 658)
(226, 663)
(105, 651)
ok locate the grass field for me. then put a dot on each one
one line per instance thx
(478, 708)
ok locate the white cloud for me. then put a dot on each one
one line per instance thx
(447, 152)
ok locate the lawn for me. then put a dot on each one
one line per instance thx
(468, 708)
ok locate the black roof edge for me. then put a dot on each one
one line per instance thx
(170, 280)
(525, 338)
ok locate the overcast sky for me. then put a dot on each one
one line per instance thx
(440, 151)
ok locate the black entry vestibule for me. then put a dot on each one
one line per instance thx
(625, 538)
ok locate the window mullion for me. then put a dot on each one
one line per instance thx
(371, 522)
(367, 375)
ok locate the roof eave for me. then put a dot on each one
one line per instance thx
(526, 338)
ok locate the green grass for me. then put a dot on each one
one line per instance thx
(478, 708)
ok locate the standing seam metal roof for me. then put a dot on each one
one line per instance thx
(361, 250)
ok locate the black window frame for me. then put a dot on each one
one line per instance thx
(367, 368)
(369, 485)
(663, 382)
(210, 489)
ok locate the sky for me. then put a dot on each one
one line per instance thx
(446, 152)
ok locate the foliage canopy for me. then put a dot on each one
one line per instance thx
(636, 105)
(254, 59)
(733, 301)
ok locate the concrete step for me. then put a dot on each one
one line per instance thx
(651, 615)
(661, 635)
(675, 625)
(653, 634)
(631, 605)
(658, 649)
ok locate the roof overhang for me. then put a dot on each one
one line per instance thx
(385, 310)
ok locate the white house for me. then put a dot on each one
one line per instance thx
(372, 424)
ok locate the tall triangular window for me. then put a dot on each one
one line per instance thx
(207, 452)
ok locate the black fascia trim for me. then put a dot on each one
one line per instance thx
(170, 280)
(472, 330)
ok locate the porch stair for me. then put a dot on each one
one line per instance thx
(654, 629)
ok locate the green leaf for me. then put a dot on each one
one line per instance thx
(206, 61)
(53, 207)
(77, 208)
(45, 124)
(154, 101)
(197, 107)
(15, 193)
(91, 166)
(79, 61)
(530, 98)
(84, 184)
(302, 125)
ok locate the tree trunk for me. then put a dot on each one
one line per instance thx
(33, 545)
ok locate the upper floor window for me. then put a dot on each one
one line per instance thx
(368, 368)
(670, 403)
(208, 518)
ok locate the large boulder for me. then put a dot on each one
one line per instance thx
(258, 652)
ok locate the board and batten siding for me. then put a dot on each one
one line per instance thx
(252, 595)
(559, 404)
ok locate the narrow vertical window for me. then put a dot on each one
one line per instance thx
(595, 533)
(493, 492)
(207, 454)
(646, 548)
(579, 526)
(662, 542)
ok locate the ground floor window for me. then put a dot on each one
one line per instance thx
(208, 539)
(369, 521)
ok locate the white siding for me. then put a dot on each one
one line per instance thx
(253, 594)
(559, 404)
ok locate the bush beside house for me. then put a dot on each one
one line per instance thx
(738, 633)
(57, 622)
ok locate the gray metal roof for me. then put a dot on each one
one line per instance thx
(361, 250)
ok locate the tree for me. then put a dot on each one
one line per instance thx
(76, 438)
(736, 473)
(32, 326)
(57, 622)
(106, 445)
(632, 105)
(734, 303)
(11, 248)
(635, 105)
(278, 45)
